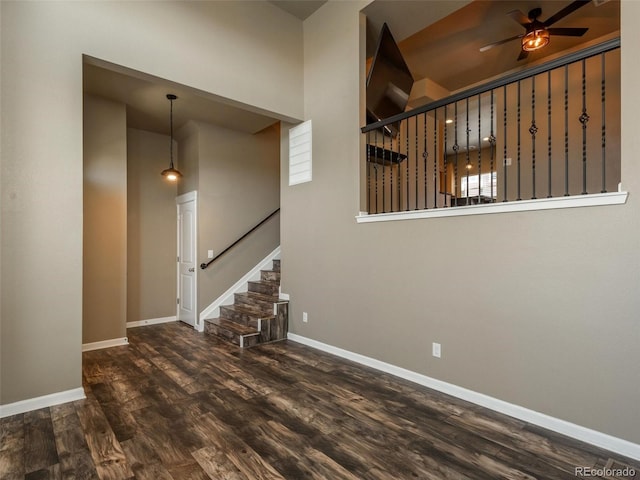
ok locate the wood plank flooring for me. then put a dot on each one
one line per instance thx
(176, 404)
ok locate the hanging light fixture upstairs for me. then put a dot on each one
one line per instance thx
(171, 173)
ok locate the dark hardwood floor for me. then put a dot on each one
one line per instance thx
(176, 404)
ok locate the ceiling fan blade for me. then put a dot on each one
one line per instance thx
(519, 17)
(568, 32)
(572, 7)
(495, 44)
(523, 54)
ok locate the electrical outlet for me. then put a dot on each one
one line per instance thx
(436, 350)
(209, 253)
(305, 317)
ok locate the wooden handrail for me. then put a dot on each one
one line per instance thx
(205, 265)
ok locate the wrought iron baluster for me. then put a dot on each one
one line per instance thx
(479, 149)
(368, 172)
(384, 172)
(467, 157)
(584, 119)
(504, 158)
(436, 187)
(566, 130)
(444, 157)
(408, 163)
(604, 129)
(399, 186)
(533, 129)
(416, 157)
(425, 154)
(455, 150)
(391, 189)
(549, 133)
(492, 143)
(518, 150)
(375, 136)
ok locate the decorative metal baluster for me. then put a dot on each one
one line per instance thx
(604, 130)
(384, 172)
(566, 130)
(399, 189)
(549, 131)
(533, 129)
(368, 173)
(375, 165)
(479, 149)
(408, 163)
(417, 173)
(425, 154)
(584, 119)
(504, 158)
(467, 164)
(444, 155)
(455, 150)
(436, 186)
(518, 168)
(391, 190)
(492, 143)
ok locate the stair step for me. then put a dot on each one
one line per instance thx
(258, 300)
(264, 287)
(245, 314)
(241, 335)
(270, 275)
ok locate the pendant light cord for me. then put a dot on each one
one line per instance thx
(171, 127)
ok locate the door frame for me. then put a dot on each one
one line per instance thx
(181, 199)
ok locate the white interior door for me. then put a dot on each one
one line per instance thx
(187, 275)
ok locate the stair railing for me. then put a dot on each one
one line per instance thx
(548, 131)
(205, 265)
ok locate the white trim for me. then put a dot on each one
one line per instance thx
(187, 197)
(191, 196)
(593, 437)
(44, 401)
(151, 321)
(597, 199)
(114, 342)
(213, 310)
(284, 296)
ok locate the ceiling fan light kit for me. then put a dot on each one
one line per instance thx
(538, 34)
(535, 40)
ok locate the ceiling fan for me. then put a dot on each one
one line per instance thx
(537, 33)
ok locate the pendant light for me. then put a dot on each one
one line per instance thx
(171, 173)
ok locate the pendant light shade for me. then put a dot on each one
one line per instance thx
(171, 173)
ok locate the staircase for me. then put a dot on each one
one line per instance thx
(256, 316)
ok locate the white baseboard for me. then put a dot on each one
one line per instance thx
(213, 310)
(114, 342)
(587, 435)
(151, 321)
(41, 402)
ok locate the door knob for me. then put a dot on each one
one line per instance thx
(192, 269)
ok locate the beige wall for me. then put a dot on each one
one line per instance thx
(104, 296)
(41, 142)
(151, 228)
(547, 318)
(238, 186)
